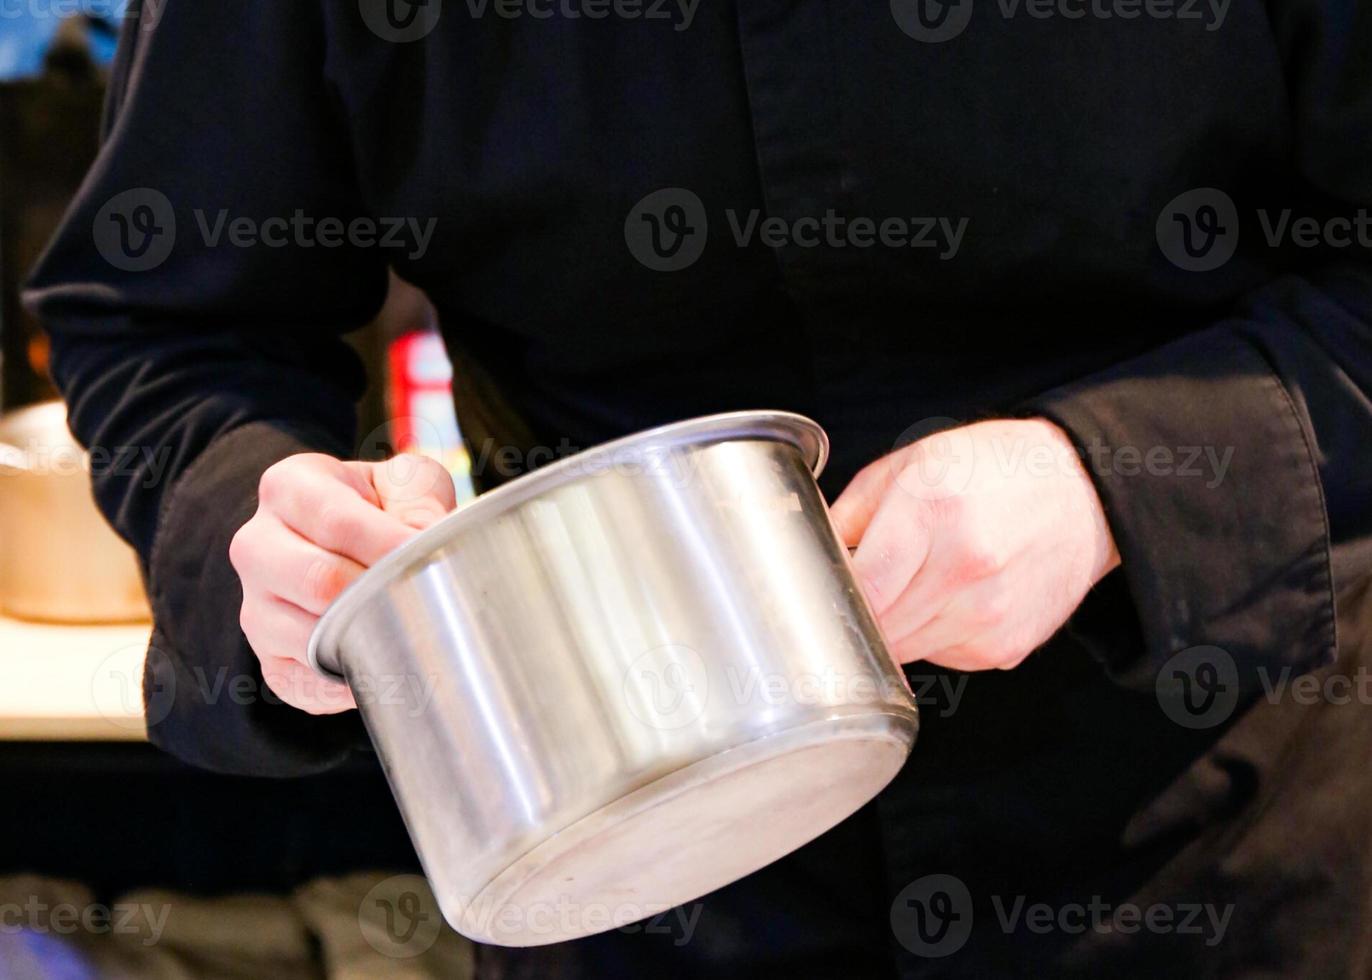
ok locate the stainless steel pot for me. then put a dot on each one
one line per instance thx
(59, 560)
(624, 680)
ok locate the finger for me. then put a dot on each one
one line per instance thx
(953, 638)
(973, 610)
(856, 505)
(333, 514)
(945, 632)
(958, 573)
(927, 596)
(285, 565)
(975, 630)
(893, 549)
(303, 688)
(416, 489)
(276, 629)
(967, 657)
(350, 472)
(989, 652)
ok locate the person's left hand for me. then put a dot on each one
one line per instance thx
(976, 544)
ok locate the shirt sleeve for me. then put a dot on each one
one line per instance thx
(196, 299)
(1235, 475)
(1256, 507)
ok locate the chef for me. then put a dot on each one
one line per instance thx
(1085, 328)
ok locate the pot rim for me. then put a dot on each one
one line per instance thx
(774, 425)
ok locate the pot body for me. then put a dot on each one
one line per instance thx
(60, 561)
(624, 680)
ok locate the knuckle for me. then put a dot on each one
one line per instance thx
(441, 487)
(981, 559)
(254, 629)
(247, 622)
(954, 510)
(416, 478)
(282, 477)
(273, 482)
(324, 580)
(336, 526)
(427, 463)
(239, 548)
(432, 489)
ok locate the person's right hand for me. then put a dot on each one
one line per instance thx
(320, 523)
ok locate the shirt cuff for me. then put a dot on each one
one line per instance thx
(204, 696)
(1209, 484)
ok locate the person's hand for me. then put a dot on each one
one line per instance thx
(320, 523)
(976, 544)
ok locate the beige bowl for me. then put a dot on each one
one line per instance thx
(59, 559)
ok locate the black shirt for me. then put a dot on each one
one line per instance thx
(878, 215)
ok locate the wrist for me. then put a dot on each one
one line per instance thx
(1085, 501)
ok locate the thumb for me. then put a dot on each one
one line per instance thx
(858, 503)
(416, 489)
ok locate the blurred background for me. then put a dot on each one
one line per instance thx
(96, 818)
